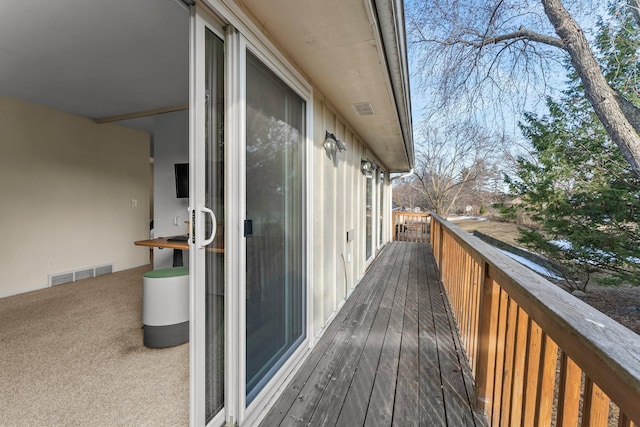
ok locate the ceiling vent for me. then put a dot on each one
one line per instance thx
(363, 109)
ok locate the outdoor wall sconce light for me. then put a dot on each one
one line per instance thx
(331, 143)
(367, 168)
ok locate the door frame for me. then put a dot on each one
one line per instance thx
(256, 410)
(369, 259)
(200, 21)
(239, 35)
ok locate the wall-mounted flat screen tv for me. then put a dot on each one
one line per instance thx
(182, 180)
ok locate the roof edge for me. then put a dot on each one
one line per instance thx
(391, 27)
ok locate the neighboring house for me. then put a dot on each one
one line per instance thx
(259, 97)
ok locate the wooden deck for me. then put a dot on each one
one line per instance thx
(392, 356)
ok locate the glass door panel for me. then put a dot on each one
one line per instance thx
(380, 207)
(275, 254)
(214, 199)
(369, 218)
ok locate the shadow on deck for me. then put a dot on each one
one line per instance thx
(392, 356)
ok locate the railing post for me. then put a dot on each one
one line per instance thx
(391, 231)
(440, 248)
(432, 238)
(487, 330)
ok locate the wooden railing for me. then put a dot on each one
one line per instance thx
(411, 226)
(539, 356)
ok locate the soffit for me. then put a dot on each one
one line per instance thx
(334, 43)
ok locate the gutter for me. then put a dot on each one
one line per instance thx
(390, 19)
(407, 175)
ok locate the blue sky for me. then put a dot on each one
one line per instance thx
(508, 118)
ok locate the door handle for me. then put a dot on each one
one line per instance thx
(207, 241)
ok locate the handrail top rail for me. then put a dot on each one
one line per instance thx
(579, 329)
(412, 213)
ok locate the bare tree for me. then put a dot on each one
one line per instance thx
(405, 195)
(634, 5)
(449, 160)
(507, 46)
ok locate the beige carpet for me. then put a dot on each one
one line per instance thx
(72, 355)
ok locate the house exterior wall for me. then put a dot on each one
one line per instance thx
(338, 186)
(66, 191)
(339, 207)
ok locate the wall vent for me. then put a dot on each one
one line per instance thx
(59, 279)
(83, 273)
(104, 269)
(363, 109)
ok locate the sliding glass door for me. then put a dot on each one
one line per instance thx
(214, 198)
(275, 227)
(248, 204)
(369, 212)
(381, 176)
(207, 200)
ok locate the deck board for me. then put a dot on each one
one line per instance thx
(390, 356)
(298, 401)
(380, 409)
(431, 403)
(406, 396)
(362, 350)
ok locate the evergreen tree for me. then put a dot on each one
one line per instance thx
(581, 195)
(577, 188)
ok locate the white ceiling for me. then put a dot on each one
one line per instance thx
(95, 58)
